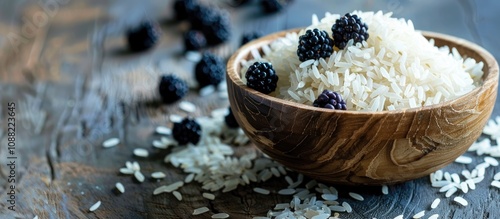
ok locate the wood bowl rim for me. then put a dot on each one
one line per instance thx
(490, 77)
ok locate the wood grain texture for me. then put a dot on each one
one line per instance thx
(352, 147)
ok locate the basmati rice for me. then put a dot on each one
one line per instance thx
(419, 214)
(435, 203)
(201, 210)
(220, 215)
(356, 196)
(426, 74)
(120, 187)
(461, 201)
(95, 206)
(111, 142)
(141, 152)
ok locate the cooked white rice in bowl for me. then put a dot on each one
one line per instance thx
(396, 68)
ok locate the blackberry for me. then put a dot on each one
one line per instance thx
(187, 131)
(271, 6)
(212, 22)
(230, 120)
(144, 36)
(262, 77)
(172, 88)
(194, 40)
(330, 100)
(209, 70)
(247, 37)
(183, 8)
(236, 3)
(349, 27)
(314, 44)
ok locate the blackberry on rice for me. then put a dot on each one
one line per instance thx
(349, 27)
(262, 77)
(330, 100)
(314, 44)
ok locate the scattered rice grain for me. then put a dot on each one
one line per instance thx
(111, 142)
(95, 206)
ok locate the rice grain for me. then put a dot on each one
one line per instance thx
(95, 206)
(111, 142)
(119, 186)
(201, 210)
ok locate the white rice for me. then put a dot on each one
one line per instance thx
(95, 206)
(435, 203)
(177, 195)
(141, 152)
(209, 196)
(495, 184)
(434, 216)
(220, 215)
(496, 176)
(139, 176)
(119, 186)
(356, 196)
(162, 130)
(461, 201)
(395, 68)
(463, 159)
(419, 214)
(347, 207)
(399, 217)
(111, 142)
(201, 210)
(385, 189)
(187, 106)
(261, 191)
(287, 191)
(158, 175)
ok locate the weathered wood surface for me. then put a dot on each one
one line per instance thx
(75, 85)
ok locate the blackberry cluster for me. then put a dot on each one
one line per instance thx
(194, 40)
(230, 120)
(187, 131)
(209, 70)
(172, 88)
(349, 27)
(212, 22)
(249, 36)
(330, 100)
(144, 36)
(262, 77)
(314, 44)
(272, 6)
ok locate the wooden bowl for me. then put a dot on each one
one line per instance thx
(363, 148)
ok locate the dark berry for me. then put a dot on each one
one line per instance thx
(247, 37)
(187, 131)
(271, 6)
(349, 27)
(194, 40)
(262, 77)
(230, 120)
(209, 70)
(172, 88)
(236, 3)
(314, 44)
(330, 100)
(183, 8)
(144, 36)
(212, 22)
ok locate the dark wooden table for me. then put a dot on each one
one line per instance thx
(65, 65)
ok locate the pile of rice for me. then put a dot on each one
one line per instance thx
(396, 68)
